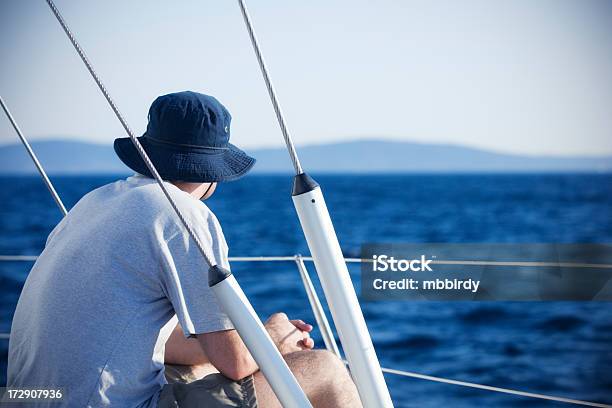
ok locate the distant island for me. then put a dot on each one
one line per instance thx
(361, 156)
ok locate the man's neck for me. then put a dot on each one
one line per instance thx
(197, 190)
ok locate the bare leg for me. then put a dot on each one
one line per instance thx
(323, 378)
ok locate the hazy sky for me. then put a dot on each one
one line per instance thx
(532, 76)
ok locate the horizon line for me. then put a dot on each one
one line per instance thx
(360, 139)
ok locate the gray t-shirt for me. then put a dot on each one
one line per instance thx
(105, 294)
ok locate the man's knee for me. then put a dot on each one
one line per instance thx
(324, 378)
(327, 359)
(316, 363)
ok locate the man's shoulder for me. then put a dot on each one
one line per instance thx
(138, 202)
(152, 199)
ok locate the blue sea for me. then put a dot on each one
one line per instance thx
(557, 348)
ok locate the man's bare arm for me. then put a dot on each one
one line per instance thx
(228, 354)
(226, 351)
(180, 350)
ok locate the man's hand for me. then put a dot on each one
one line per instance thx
(289, 335)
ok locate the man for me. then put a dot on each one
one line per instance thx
(120, 288)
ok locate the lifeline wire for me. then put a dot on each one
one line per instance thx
(127, 128)
(495, 389)
(46, 180)
(27, 258)
(264, 70)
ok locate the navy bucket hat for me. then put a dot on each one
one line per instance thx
(187, 139)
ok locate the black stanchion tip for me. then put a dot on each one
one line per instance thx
(303, 183)
(217, 274)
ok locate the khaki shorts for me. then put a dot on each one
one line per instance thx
(212, 391)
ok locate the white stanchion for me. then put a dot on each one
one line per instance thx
(257, 339)
(329, 261)
(340, 293)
